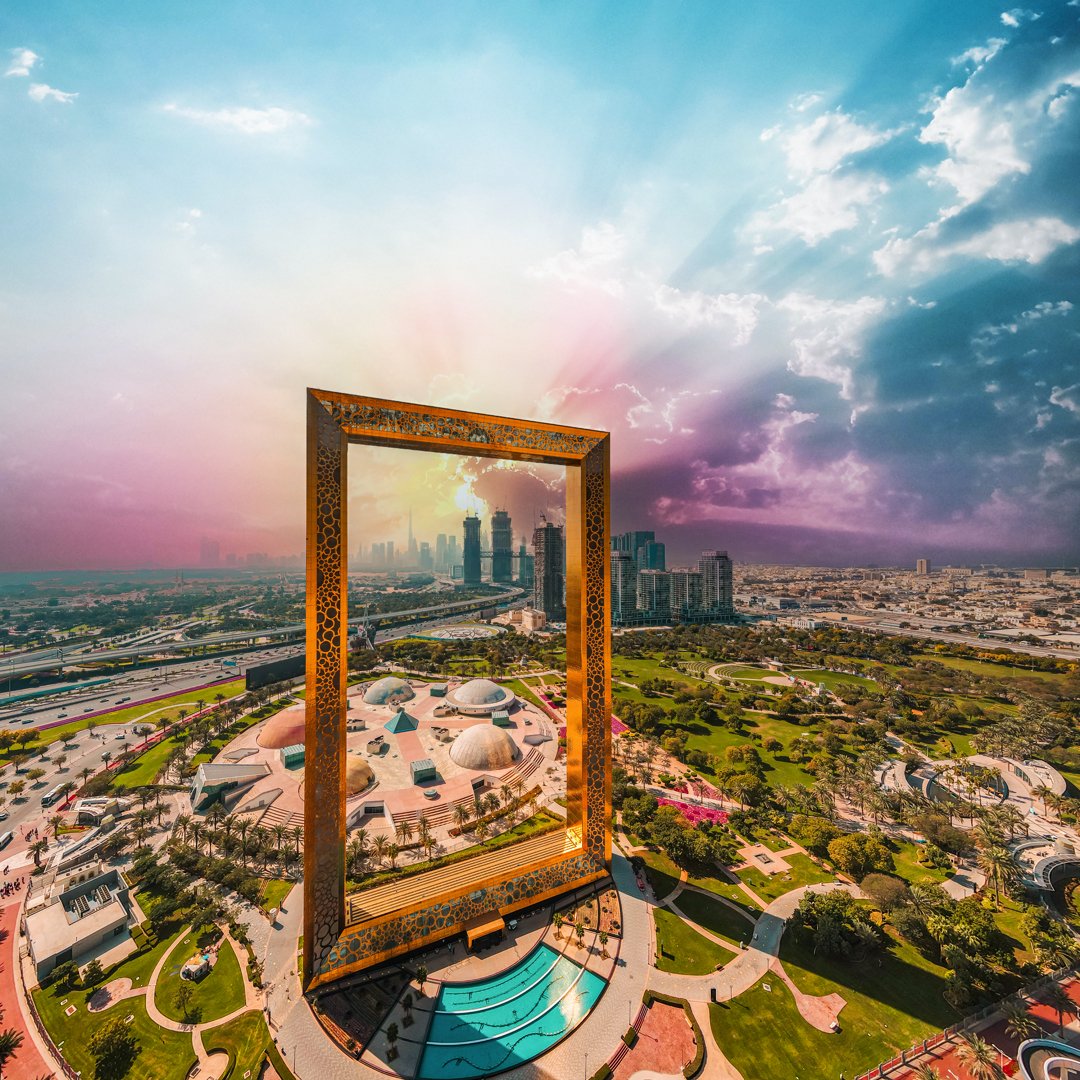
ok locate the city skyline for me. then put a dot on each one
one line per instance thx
(820, 285)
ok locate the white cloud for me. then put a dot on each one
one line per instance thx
(807, 101)
(828, 334)
(592, 264)
(825, 142)
(827, 204)
(979, 137)
(240, 118)
(1028, 240)
(22, 60)
(1016, 16)
(738, 311)
(44, 92)
(980, 54)
(1067, 397)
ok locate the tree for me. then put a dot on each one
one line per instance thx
(182, 1000)
(33, 775)
(859, 854)
(421, 976)
(55, 822)
(66, 975)
(1058, 999)
(889, 893)
(93, 974)
(391, 1041)
(980, 1058)
(1019, 1023)
(558, 919)
(114, 1046)
(16, 788)
(999, 866)
(603, 937)
(10, 1041)
(579, 931)
(37, 849)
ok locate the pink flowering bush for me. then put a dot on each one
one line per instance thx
(695, 814)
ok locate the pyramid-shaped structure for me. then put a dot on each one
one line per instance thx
(401, 721)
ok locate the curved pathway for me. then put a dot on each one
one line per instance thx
(252, 1000)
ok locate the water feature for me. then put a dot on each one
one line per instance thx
(484, 1027)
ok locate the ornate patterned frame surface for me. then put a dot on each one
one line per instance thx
(332, 946)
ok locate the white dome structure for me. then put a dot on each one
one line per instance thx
(481, 697)
(388, 691)
(484, 747)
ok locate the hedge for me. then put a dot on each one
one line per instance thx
(630, 1037)
(693, 1067)
(603, 1073)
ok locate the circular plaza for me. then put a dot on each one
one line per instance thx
(414, 749)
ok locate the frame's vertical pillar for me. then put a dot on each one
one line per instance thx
(327, 644)
(588, 657)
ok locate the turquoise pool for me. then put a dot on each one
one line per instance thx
(482, 1028)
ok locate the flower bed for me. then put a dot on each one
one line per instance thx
(617, 726)
(696, 814)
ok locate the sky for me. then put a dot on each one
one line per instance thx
(815, 267)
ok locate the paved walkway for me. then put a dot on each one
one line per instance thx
(253, 999)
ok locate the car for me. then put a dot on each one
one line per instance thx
(89, 708)
(61, 716)
(119, 735)
(3, 815)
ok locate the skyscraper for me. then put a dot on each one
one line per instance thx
(502, 548)
(686, 594)
(922, 567)
(525, 566)
(440, 552)
(717, 591)
(209, 552)
(630, 542)
(549, 584)
(623, 588)
(471, 547)
(654, 594)
(652, 555)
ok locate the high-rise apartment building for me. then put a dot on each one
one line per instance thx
(922, 567)
(471, 548)
(654, 594)
(502, 548)
(623, 588)
(440, 553)
(426, 560)
(652, 555)
(209, 552)
(686, 593)
(549, 593)
(717, 589)
(630, 542)
(390, 553)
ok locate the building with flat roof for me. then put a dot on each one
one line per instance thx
(78, 921)
(549, 586)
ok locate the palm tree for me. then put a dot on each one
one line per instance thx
(37, 849)
(925, 1071)
(558, 920)
(603, 937)
(55, 822)
(1019, 1023)
(421, 976)
(462, 814)
(404, 831)
(507, 794)
(392, 853)
(980, 1058)
(1058, 999)
(999, 866)
(10, 1041)
(297, 837)
(380, 846)
(1040, 792)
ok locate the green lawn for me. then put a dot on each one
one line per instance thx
(769, 887)
(144, 768)
(682, 950)
(637, 670)
(662, 873)
(744, 673)
(905, 856)
(833, 679)
(889, 1006)
(728, 889)
(149, 712)
(715, 916)
(990, 670)
(217, 995)
(274, 893)
(244, 1039)
(163, 1055)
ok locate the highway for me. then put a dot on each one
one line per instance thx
(46, 659)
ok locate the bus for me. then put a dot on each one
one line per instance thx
(6, 839)
(55, 795)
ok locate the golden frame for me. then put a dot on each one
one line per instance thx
(346, 934)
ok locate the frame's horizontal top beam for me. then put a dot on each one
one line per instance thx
(378, 422)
